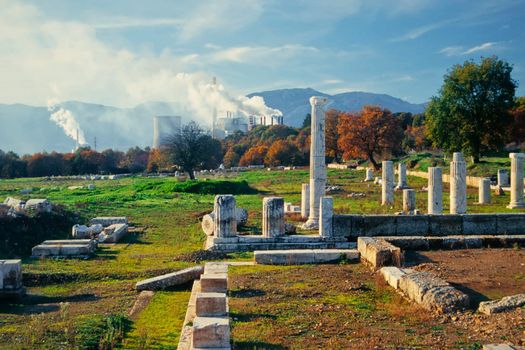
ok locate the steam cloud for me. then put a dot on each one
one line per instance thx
(66, 120)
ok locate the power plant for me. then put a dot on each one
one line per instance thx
(164, 127)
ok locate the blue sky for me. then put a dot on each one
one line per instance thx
(120, 51)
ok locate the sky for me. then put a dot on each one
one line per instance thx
(124, 52)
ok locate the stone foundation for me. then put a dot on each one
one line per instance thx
(304, 256)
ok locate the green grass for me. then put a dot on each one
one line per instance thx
(169, 223)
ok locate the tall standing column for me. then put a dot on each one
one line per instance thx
(225, 220)
(387, 183)
(402, 177)
(305, 200)
(435, 190)
(273, 217)
(516, 181)
(484, 191)
(409, 201)
(458, 184)
(369, 175)
(317, 160)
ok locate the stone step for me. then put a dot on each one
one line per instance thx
(59, 250)
(170, 279)
(379, 252)
(304, 256)
(211, 304)
(211, 332)
(214, 283)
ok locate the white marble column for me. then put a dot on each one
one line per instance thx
(369, 175)
(435, 190)
(484, 191)
(317, 160)
(225, 219)
(305, 200)
(387, 183)
(458, 184)
(409, 201)
(402, 176)
(327, 212)
(516, 181)
(273, 217)
(503, 178)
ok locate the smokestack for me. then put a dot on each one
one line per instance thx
(78, 143)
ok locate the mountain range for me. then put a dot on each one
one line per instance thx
(28, 129)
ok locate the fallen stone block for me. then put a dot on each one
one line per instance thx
(445, 299)
(211, 304)
(40, 205)
(170, 279)
(304, 256)
(211, 332)
(498, 347)
(109, 220)
(212, 268)
(83, 231)
(93, 244)
(208, 225)
(113, 233)
(416, 284)
(214, 283)
(393, 274)
(10, 274)
(61, 250)
(379, 252)
(504, 304)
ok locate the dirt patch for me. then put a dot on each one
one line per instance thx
(482, 273)
(348, 307)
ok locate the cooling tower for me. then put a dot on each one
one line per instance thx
(164, 127)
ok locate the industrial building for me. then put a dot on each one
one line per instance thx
(164, 127)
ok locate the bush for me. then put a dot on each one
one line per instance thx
(198, 187)
(102, 333)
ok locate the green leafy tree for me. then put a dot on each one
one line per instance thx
(471, 111)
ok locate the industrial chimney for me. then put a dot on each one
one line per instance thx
(163, 127)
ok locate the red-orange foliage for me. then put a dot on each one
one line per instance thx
(254, 156)
(369, 134)
(282, 152)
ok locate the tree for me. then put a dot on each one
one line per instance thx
(191, 149)
(307, 122)
(471, 111)
(332, 135)
(158, 160)
(254, 156)
(516, 130)
(282, 152)
(369, 134)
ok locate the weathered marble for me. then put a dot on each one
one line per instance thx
(401, 176)
(369, 175)
(409, 201)
(484, 191)
(387, 183)
(225, 221)
(305, 200)
(458, 184)
(273, 217)
(208, 221)
(503, 178)
(516, 181)
(170, 279)
(317, 160)
(327, 212)
(211, 304)
(435, 190)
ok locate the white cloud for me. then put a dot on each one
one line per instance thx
(417, 32)
(461, 51)
(261, 54)
(126, 22)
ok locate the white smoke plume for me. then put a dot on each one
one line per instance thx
(66, 120)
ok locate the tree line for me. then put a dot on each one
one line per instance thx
(475, 112)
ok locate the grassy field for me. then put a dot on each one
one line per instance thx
(92, 294)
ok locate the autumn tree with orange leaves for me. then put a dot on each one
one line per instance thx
(369, 134)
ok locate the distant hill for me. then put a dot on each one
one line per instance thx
(27, 129)
(294, 103)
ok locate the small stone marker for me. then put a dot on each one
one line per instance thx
(211, 304)
(369, 175)
(402, 176)
(273, 217)
(305, 200)
(458, 184)
(409, 201)
(387, 183)
(325, 220)
(484, 191)
(225, 220)
(214, 283)
(516, 181)
(503, 178)
(435, 190)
